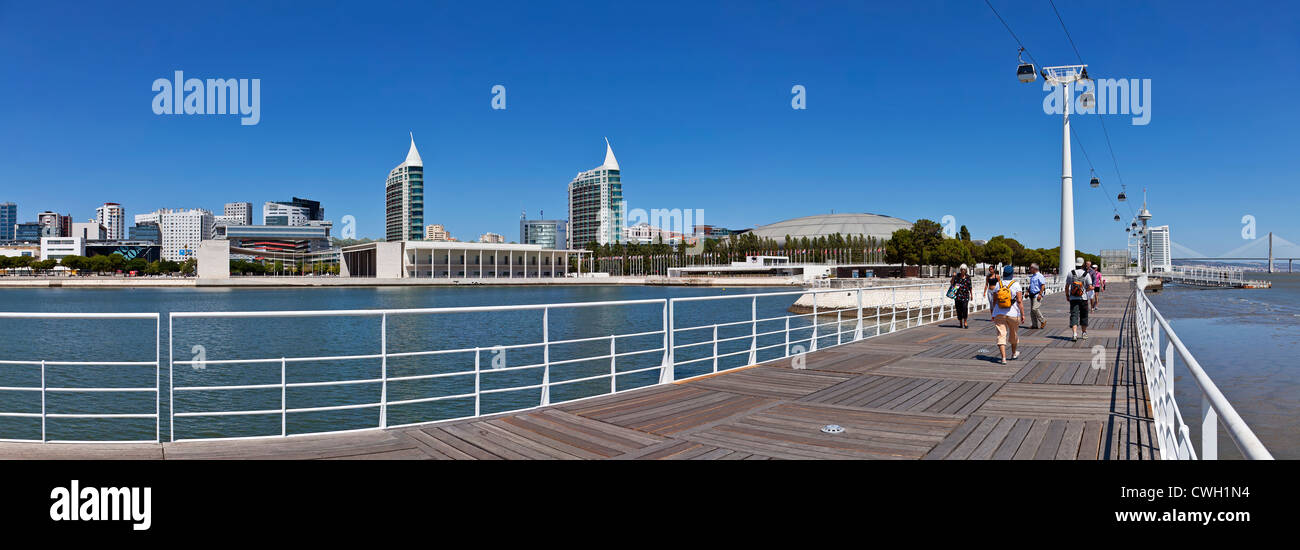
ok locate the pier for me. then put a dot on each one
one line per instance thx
(933, 391)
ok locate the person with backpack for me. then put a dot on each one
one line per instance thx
(1077, 286)
(1006, 305)
(959, 288)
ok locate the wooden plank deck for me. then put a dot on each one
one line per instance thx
(931, 392)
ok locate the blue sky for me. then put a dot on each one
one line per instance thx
(913, 110)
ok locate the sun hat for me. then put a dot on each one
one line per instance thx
(1078, 262)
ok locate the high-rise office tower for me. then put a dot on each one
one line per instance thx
(8, 219)
(596, 204)
(239, 213)
(404, 199)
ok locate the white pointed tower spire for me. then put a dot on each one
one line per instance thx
(611, 163)
(413, 155)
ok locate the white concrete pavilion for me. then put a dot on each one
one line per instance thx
(457, 260)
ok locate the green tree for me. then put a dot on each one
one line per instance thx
(116, 261)
(997, 253)
(927, 235)
(952, 252)
(901, 248)
(101, 264)
(964, 234)
(136, 264)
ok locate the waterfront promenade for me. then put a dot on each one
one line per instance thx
(930, 392)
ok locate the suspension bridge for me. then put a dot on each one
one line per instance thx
(1271, 249)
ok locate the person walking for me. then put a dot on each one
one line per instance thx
(960, 287)
(1006, 304)
(1077, 286)
(1037, 284)
(1098, 284)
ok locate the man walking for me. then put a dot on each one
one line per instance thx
(1078, 285)
(1006, 304)
(1037, 284)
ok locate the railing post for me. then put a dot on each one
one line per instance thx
(157, 374)
(839, 326)
(666, 372)
(857, 330)
(787, 338)
(171, 383)
(546, 356)
(753, 328)
(383, 370)
(478, 380)
(715, 345)
(893, 309)
(613, 369)
(43, 436)
(284, 403)
(1209, 430)
(812, 344)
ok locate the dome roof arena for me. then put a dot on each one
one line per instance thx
(870, 225)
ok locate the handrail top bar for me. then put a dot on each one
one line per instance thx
(1241, 434)
(63, 315)
(407, 311)
(800, 292)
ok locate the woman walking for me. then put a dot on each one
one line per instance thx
(960, 287)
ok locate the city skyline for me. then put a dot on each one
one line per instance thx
(719, 136)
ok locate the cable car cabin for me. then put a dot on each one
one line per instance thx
(1116, 217)
(1087, 101)
(1026, 72)
(1095, 182)
(1121, 197)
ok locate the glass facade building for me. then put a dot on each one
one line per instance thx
(29, 232)
(548, 233)
(146, 232)
(8, 219)
(404, 199)
(596, 204)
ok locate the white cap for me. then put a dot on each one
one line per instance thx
(1078, 262)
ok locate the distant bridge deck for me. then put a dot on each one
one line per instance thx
(930, 392)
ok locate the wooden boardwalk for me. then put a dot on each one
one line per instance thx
(931, 392)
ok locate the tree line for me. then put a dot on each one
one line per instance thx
(925, 244)
(101, 264)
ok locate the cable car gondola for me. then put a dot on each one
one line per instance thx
(1095, 182)
(1122, 197)
(1116, 217)
(1025, 72)
(1086, 102)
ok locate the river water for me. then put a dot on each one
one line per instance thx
(1248, 341)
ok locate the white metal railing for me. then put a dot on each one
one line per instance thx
(45, 389)
(868, 312)
(1172, 433)
(384, 380)
(873, 310)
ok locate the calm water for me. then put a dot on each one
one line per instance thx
(227, 339)
(1248, 342)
